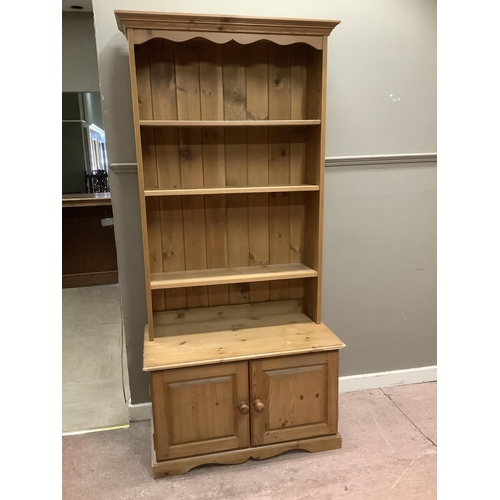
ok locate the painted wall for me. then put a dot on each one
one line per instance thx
(380, 227)
(379, 265)
(93, 109)
(79, 55)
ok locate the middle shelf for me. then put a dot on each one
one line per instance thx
(281, 188)
(225, 276)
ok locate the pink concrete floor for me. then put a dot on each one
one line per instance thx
(389, 452)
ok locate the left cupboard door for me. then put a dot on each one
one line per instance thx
(200, 410)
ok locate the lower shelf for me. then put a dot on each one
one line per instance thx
(195, 337)
(183, 465)
(247, 274)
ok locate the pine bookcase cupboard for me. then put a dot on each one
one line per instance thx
(229, 120)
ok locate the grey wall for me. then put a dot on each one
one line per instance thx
(379, 256)
(379, 285)
(79, 55)
(93, 109)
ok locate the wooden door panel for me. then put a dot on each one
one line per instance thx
(206, 414)
(195, 410)
(291, 392)
(298, 395)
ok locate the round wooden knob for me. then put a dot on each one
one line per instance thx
(258, 405)
(243, 408)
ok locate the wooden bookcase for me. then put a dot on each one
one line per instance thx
(229, 119)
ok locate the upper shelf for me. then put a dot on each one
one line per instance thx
(228, 123)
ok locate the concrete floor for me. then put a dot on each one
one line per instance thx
(92, 389)
(389, 452)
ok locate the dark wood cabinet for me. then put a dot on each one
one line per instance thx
(88, 246)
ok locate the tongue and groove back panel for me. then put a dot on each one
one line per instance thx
(202, 80)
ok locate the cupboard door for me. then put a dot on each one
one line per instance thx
(294, 397)
(200, 410)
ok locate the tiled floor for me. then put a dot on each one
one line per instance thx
(92, 390)
(389, 452)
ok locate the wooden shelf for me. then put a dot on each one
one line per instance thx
(247, 274)
(200, 336)
(228, 123)
(282, 188)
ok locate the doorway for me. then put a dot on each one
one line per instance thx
(95, 388)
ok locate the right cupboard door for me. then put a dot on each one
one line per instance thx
(294, 397)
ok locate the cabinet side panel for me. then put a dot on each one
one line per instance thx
(321, 183)
(311, 226)
(314, 152)
(160, 414)
(334, 390)
(140, 177)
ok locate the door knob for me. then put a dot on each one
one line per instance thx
(258, 405)
(243, 408)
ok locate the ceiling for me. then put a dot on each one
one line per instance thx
(86, 4)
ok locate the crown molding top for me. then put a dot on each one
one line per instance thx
(127, 19)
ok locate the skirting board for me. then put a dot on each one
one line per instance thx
(351, 383)
(378, 380)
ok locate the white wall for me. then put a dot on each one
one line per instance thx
(79, 53)
(380, 48)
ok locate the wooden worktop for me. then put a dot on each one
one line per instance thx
(209, 335)
(86, 199)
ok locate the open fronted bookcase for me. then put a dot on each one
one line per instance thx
(229, 117)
